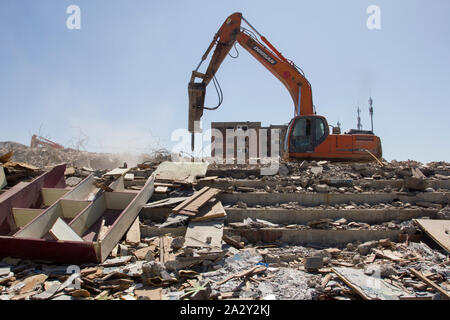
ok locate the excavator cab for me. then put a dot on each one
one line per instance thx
(305, 133)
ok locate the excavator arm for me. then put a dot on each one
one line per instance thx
(285, 71)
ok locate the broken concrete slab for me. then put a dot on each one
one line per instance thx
(438, 230)
(181, 172)
(205, 233)
(369, 287)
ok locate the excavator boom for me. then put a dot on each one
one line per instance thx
(284, 70)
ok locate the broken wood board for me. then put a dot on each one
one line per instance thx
(134, 233)
(117, 172)
(368, 287)
(445, 294)
(164, 184)
(148, 293)
(204, 234)
(196, 201)
(161, 189)
(2, 178)
(181, 172)
(164, 246)
(165, 202)
(118, 184)
(388, 254)
(211, 178)
(70, 171)
(21, 165)
(62, 231)
(211, 210)
(6, 157)
(438, 230)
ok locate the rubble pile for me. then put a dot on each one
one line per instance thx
(314, 230)
(135, 272)
(46, 156)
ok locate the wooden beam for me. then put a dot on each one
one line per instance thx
(134, 233)
(444, 293)
(62, 231)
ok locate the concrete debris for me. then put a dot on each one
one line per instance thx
(314, 230)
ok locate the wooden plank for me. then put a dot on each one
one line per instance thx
(118, 200)
(438, 230)
(62, 231)
(208, 232)
(51, 195)
(126, 218)
(85, 190)
(211, 178)
(164, 249)
(165, 202)
(118, 184)
(129, 177)
(187, 213)
(41, 225)
(22, 216)
(170, 185)
(72, 208)
(197, 200)
(103, 230)
(117, 172)
(211, 210)
(134, 233)
(89, 216)
(195, 205)
(368, 287)
(190, 199)
(433, 285)
(161, 189)
(232, 242)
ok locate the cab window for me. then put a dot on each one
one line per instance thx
(320, 129)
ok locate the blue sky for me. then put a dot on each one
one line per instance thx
(121, 80)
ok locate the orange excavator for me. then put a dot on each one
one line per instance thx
(307, 135)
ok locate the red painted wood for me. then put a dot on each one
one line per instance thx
(28, 195)
(55, 251)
